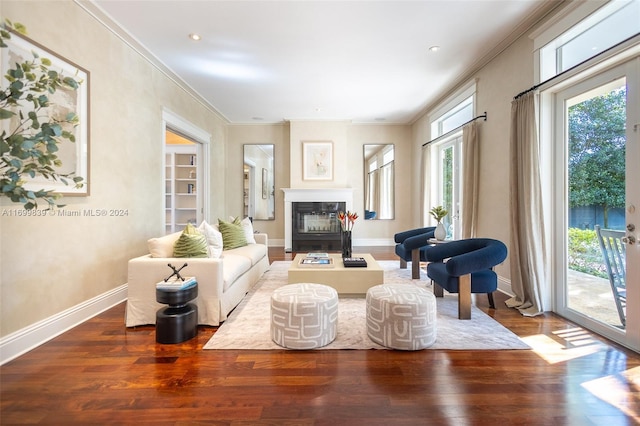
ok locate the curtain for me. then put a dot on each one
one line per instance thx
(527, 251)
(470, 180)
(386, 192)
(374, 191)
(425, 187)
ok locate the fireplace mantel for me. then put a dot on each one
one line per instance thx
(295, 195)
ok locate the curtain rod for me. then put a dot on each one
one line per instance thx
(537, 86)
(456, 129)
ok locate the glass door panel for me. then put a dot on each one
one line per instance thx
(600, 156)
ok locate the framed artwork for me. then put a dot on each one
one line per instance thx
(265, 184)
(74, 156)
(317, 160)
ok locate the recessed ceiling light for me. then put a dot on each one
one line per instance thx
(257, 118)
(195, 37)
(434, 48)
(379, 119)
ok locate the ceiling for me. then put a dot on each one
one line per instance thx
(364, 61)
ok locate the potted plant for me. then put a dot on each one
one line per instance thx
(438, 214)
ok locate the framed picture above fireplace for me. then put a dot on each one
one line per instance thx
(317, 160)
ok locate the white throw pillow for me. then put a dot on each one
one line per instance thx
(163, 246)
(247, 227)
(214, 238)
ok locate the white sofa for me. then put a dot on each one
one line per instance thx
(222, 282)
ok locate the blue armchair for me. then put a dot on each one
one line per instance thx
(411, 247)
(469, 269)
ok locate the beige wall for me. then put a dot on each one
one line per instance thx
(49, 264)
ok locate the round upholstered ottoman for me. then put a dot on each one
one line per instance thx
(304, 315)
(401, 316)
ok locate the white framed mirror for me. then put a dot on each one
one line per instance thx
(379, 182)
(258, 181)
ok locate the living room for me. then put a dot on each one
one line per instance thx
(126, 166)
(79, 264)
(59, 270)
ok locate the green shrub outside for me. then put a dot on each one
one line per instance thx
(584, 252)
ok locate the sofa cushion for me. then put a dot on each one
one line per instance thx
(247, 227)
(163, 246)
(191, 243)
(234, 266)
(214, 238)
(233, 235)
(254, 252)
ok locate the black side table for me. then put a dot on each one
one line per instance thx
(179, 321)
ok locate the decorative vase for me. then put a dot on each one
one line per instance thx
(346, 244)
(440, 232)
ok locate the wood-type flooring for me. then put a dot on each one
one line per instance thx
(103, 373)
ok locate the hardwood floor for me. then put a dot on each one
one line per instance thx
(103, 373)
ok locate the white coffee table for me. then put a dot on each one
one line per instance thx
(346, 281)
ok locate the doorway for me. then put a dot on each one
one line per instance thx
(186, 173)
(596, 187)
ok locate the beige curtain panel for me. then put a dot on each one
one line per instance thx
(470, 179)
(527, 251)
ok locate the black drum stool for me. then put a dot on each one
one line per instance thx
(179, 321)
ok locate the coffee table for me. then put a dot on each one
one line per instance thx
(346, 281)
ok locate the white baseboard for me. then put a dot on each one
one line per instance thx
(504, 286)
(22, 341)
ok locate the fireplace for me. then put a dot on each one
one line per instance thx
(315, 226)
(313, 195)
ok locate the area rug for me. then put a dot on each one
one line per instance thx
(248, 326)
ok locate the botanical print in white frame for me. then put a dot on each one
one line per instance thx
(74, 155)
(317, 160)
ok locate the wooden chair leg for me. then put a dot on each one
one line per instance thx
(491, 304)
(464, 297)
(415, 264)
(403, 264)
(437, 290)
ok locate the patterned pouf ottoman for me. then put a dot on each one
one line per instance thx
(401, 316)
(304, 316)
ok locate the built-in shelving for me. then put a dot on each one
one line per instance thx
(181, 189)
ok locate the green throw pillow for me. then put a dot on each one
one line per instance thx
(191, 243)
(232, 234)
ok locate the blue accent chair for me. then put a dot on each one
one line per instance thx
(468, 269)
(411, 246)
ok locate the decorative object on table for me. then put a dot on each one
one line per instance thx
(438, 214)
(347, 220)
(354, 262)
(176, 272)
(44, 111)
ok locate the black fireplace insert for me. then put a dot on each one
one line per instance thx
(315, 226)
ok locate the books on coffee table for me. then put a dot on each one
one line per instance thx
(316, 262)
(354, 262)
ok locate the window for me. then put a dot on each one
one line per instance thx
(591, 35)
(446, 158)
